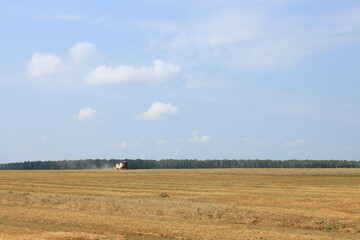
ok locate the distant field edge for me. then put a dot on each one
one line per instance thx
(177, 164)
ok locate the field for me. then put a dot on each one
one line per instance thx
(181, 204)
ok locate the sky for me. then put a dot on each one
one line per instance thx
(260, 79)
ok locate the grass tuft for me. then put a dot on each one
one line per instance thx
(329, 228)
(164, 195)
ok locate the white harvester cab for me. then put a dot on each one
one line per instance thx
(122, 165)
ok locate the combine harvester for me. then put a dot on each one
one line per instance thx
(122, 165)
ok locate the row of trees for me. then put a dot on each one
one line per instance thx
(178, 164)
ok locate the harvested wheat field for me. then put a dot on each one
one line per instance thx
(181, 204)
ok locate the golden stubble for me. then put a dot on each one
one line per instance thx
(181, 204)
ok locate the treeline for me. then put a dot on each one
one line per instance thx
(177, 164)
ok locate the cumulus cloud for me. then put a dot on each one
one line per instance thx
(83, 52)
(43, 65)
(159, 72)
(48, 64)
(295, 143)
(85, 114)
(199, 139)
(159, 111)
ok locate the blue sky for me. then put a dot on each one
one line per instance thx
(179, 79)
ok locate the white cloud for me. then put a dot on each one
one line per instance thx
(131, 144)
(44, 64)
(83, 52)
(44, 138)
(159, 111)
(85, 114)
(295, 143)
(159, 72)
(248, 37)
(199, 139)
(47, 64)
